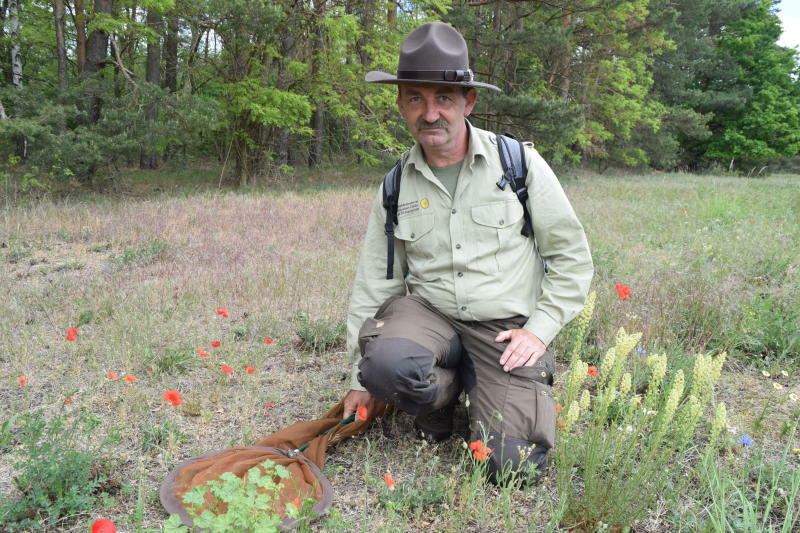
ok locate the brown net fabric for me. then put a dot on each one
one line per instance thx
(306, 477)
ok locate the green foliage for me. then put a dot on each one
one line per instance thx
(770, 328)
(246, 505)
(759, 495)
(160, 437)
(171, 360)
(142, 255)
(61, 473)
(319, 335)
(615, 444)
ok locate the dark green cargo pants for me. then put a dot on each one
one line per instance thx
(420, 359)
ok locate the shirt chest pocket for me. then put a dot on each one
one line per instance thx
(417, 234)
(494, 226)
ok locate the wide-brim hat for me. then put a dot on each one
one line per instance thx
(433, 54)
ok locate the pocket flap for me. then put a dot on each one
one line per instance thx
(498, 214)
(414, 228)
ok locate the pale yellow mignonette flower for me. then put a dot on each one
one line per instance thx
(720, 421)
(674, 397)
(582, 322)
(572, 414)
(577, 375)
(625, 384)
(586, 400)
(689, 418)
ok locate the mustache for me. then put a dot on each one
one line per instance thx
(424, 124)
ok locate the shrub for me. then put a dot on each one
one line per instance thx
(616, 444)
(320, 335)
(60, 473)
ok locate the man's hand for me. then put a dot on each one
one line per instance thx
(354, 400)
(524, 349)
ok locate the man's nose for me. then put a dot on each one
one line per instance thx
(430, 113)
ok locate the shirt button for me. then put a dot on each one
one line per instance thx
(463, 307)
(412, 235)
(453, 211)
(458, 246)
(460, 274)
(502, 221)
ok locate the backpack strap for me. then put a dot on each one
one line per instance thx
(515, 171)
(391, 194)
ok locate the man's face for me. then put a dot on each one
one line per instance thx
(435, 113)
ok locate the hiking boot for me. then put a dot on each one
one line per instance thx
(437, 425)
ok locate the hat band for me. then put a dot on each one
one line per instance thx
(435, 75)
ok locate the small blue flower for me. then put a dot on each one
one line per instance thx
(707, 260)
(745, 440)
(641, 351)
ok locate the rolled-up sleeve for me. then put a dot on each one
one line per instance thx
(370, 287)
(563, 246)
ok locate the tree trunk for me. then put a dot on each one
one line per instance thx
(80, 35)
(13, 30)
(149, 159)
(16, 66)
(563, 93)
(96, 52)
(61, 52)
(317, 146)
(171, 53)
(391, 15)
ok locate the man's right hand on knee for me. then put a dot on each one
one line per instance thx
(354, 400)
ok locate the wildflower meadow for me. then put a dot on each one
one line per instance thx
(139, 330)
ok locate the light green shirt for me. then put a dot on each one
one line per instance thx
(466, 255)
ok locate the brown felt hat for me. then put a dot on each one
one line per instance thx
(433, 54)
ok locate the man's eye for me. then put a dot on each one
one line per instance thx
(444, 98)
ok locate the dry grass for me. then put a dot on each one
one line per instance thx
(147, 276)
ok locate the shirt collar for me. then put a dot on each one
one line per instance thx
(479, 145)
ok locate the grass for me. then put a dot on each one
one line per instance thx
(142, 274)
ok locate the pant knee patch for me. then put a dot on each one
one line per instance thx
(396, 370)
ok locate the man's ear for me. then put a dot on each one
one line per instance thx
(472, 97)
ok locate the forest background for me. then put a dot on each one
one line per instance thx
(268, 86)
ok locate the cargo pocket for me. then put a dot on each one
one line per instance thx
(543, 428)
(530, 388)
(416, 234)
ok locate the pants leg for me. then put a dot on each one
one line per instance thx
(514, 411)
(409, 355)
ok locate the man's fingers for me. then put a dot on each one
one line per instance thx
(503, 336)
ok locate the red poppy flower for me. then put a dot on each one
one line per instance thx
(558, 408)
(202, 353)
(362, 412)
(268, 340)
(267, 413)
(215, 344)
(387, 478)
(684, 211)
(268, 405)
(750, 220)
(223, 311)
(623, 291)
(226, 369)
(104, 525)
(249, 369)
(479, 451)
(296, 503)
(130, 379)
(592, 371)
(22, 381)
(68, 399)
(112, 375)
(72, 334)
(173, 396)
